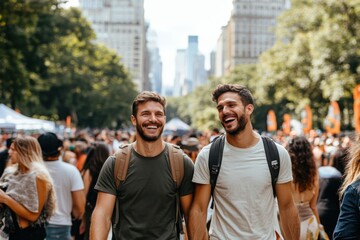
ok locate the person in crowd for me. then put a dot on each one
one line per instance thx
(245, 207)
(27, 197)
(147, 198)
(69, 188)
(96, 157)
(330, 180)
(80, 149)
(191, 146)
(117, 140)
(348, 223)
(305, 187)
(4, 155)
(214, 133)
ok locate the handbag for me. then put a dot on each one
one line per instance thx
(36, 232)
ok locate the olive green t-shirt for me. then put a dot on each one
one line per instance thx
(147, 198)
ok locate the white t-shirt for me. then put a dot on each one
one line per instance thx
(66, 179)
(245, 207)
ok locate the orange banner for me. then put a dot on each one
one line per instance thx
(306, 119)
(271, 121)
(286, 126)
(332, 121)
(356, 94)
(68, 121)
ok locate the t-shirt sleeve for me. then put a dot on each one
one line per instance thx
(76, 180)
(106, 180)
(201, 168)
(285, 174)
(187, 186)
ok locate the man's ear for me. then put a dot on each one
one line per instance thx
(249, 109)
(133, 120)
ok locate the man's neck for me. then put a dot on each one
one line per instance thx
(244, 139)
(149, 149)
(51, 159)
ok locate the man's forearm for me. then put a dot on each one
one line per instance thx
(197, 225)
(290, 223)
(100, 226)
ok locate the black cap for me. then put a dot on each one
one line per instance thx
(49, 143)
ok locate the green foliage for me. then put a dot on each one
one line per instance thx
(314, 60)
(52, 67)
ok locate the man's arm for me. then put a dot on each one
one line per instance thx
(101, 216)
(78, 199)
(198, 212)
(289, 216)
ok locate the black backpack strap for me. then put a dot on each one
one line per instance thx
(215, 158)
(273, 160)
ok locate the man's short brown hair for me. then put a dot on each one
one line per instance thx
(244, 93)
(147, 96)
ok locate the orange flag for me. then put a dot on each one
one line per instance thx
(271, 121)
(306, 119)
(356, 94)
(332, 121)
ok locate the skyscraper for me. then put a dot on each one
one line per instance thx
(249, 32)
(155, 63)
(189, 68)
(120, 25)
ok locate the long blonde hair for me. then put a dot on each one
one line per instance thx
(28, 150)
(352, 172)
(30, 156)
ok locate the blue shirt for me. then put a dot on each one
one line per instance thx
(348, 224)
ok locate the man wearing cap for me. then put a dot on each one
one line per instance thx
(69, 188)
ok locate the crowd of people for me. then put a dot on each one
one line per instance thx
(64, 186)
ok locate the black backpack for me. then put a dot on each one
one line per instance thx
(216, 153)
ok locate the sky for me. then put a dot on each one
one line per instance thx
(175, 20)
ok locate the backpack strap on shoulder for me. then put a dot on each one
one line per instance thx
(176, 160)
(273, 160)
(121, 164)
(215, 158)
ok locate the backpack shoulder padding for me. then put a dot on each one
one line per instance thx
(176, 159)
(215, 158)
(122, 159)
(273, 160)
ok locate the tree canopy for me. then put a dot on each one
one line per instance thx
(52, 66)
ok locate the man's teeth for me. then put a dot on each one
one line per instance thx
(229, 119)
(152, 127)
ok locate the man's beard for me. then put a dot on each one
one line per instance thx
(146, 137)
(242, 121)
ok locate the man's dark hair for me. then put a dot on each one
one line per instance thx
(147, 96)
(244, 93)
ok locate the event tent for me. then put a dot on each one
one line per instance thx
(11, 119)
(176, 126)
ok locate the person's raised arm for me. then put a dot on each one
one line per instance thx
(289, 216)
(101, 216)
(197, 218)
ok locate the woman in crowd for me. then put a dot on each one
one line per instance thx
(96, 157)
(348, 224)
(305, 186)
(28, 201)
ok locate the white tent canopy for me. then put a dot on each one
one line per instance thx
(14, 120)
(176, 124)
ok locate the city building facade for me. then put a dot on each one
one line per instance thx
(120, 25)
(248, 33)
